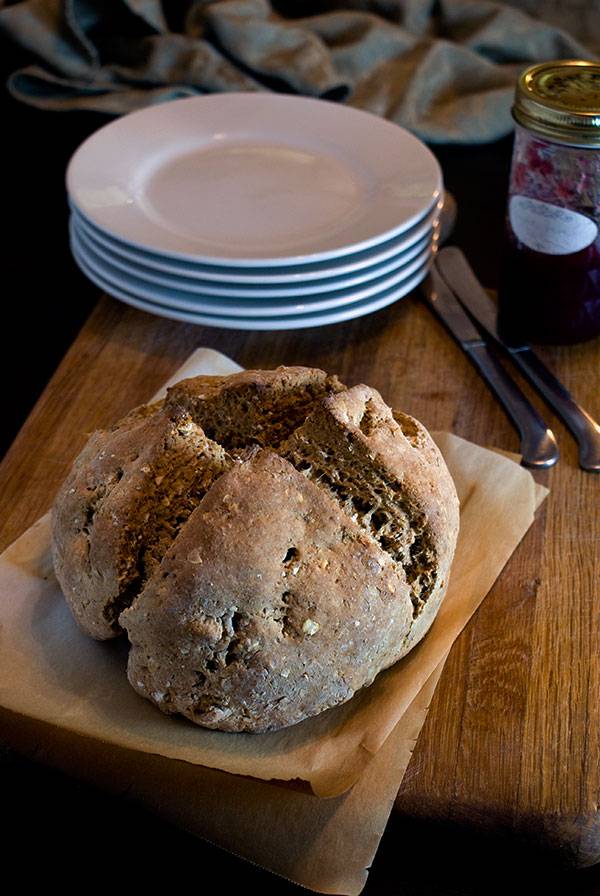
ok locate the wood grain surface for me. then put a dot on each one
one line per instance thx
(512, 740)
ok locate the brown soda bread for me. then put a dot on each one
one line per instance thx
(270, 541)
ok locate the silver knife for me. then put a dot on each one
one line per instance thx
(538, 445)
(459, 276)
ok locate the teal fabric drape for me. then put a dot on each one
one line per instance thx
(445, 69)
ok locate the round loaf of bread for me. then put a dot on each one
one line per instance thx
(269, 541)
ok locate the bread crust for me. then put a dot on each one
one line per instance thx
(394, 458)
(271, 605)
(306, 544)
(123, 499)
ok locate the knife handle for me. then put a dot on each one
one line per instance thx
(538, 445)
(583, 427)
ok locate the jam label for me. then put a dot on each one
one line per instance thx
(550, 228)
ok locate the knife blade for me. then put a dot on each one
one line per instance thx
(537, 443)
(459, 276)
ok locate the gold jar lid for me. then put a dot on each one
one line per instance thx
(561, 101)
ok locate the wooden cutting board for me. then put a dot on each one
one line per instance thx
(512, 740)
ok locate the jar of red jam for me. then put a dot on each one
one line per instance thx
(549, 287)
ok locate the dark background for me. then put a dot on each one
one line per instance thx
(58, 830)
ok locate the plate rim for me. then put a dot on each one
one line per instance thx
(320, 305)
(222, 289)
(429, 222)
(296, 323)
(299, 322)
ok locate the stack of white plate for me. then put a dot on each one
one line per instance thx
(254, 211)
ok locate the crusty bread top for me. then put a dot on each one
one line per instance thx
(396, 484)
(271, 604)
(253, 407)
(128, 492)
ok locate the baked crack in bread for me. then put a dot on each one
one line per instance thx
(269, 541)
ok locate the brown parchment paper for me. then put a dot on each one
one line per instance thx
(50, 671)
(325, 845)
(65, 700)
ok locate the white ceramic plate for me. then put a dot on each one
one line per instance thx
(345, 264)
(205, 288)
(253, 178)
(285, 322)
(198, 304)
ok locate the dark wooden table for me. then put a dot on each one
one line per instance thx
(507, 767)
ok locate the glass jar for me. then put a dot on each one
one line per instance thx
(549, 287)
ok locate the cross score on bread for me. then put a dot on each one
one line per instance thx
(268, 541)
